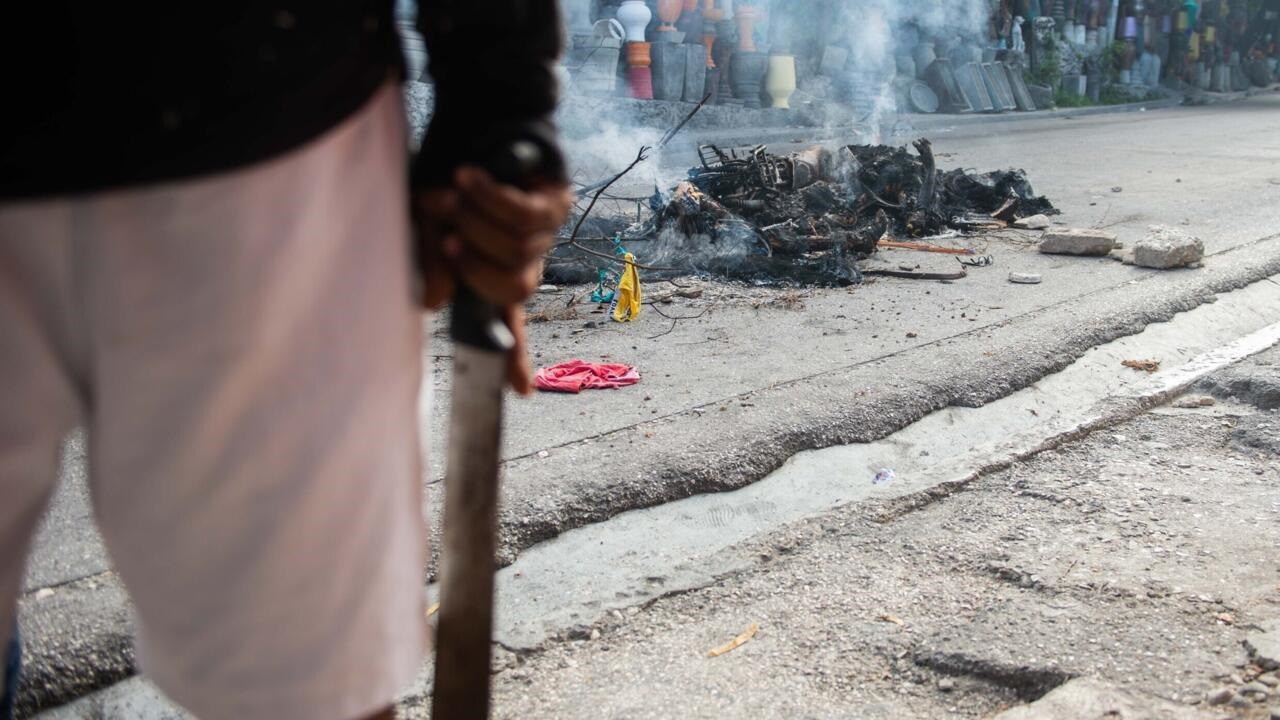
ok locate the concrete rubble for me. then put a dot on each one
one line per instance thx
(1167, 247)
(1077, 241)
(1089, 698)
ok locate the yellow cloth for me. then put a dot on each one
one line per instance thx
(626, 306)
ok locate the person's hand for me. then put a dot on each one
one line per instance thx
(492, 237)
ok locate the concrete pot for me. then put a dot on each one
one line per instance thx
(669, 61)
(596, 59)
(746, 72)
(695, 73)
(669, 12)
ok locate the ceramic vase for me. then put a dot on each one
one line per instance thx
(780, 81)
(640, 83)
(669, 13)
(639, 54)
(745, 17)
(634, 16)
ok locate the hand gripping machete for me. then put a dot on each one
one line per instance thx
(482, 349)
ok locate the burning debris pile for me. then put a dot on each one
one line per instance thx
(809, 216)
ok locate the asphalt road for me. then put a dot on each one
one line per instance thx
(759, 375)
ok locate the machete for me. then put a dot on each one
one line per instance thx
(482, 349)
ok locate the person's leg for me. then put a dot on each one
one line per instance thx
(256, 355)
(41, 401)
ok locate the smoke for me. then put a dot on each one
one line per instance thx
(882, 38)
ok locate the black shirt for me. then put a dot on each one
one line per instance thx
(99, 94)
(104, 94)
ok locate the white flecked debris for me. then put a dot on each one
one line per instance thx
(1077, 241)
(1034, 222)
(1025, 278)
(1194, 401)
(1167, 247)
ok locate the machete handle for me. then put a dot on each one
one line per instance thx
(476, 322)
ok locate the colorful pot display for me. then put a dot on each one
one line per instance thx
(780, 80)
(634, 16)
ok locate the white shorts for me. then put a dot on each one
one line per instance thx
(245, 353)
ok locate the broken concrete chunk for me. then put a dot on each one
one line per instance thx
(1089, 698)
(1077, 241)
(1167, 247)
(1025, 278)
(1035, 222)
(1264, 645)
(1194, 401)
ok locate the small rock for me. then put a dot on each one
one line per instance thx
(43, 593)
(595, 634)
(1077, 241)
(544, 454)
(1166, 247)
(548, 288)
(1025, 278)
(946, 684)
(1221, 696)
(1254, 688)
(689, 294)
(1269, 679)
(1239, 701)
(1275, 713)
(1117, 189)
(1034, 222)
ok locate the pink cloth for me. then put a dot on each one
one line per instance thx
(578, 375)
